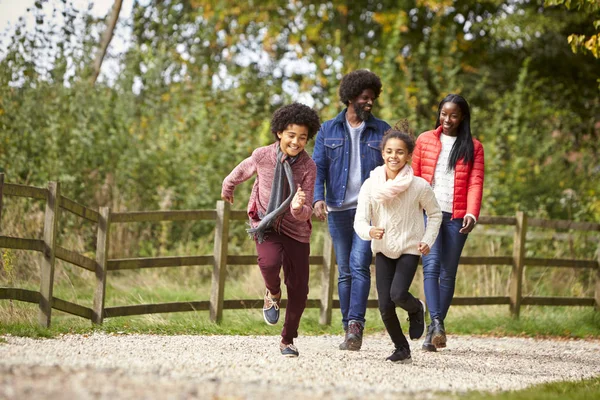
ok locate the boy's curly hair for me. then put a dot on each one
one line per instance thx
(298, 114)
(402, 131)
(355, 82)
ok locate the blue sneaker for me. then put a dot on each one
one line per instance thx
(271, 308)
(288, 350)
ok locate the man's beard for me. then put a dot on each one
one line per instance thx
(361, 113)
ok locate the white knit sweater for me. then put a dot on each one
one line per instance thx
(401, 217)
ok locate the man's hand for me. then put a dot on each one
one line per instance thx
(468, 224)
(299, 199)
(320, 210)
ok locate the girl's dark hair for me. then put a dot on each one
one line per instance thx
(355, 82)
(463, 148)
(298, 114)
(402, 131)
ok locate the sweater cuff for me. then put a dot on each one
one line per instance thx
(472, 216)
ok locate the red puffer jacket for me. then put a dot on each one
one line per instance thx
(468, 178)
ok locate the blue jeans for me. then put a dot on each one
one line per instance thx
(441, 264)
(353, 256)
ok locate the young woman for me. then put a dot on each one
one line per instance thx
(390, 215)
(280, 209)
(452, 161)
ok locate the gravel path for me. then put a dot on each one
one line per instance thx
(104, 366)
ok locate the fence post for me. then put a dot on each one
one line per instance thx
(327, 275)
(220, 266)
(516, 278)
(48, 260)
(597, 294)
(102, 243)
(1, 201)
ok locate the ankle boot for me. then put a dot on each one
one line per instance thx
(438, 338)
(427, 345)
(344, 344)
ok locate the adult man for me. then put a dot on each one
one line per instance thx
(346, 150)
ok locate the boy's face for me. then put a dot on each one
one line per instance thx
(293, 139)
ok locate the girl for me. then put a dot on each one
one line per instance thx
(390, 214)
(280, 210)
(451, 160)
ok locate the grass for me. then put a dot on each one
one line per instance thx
(584, 389)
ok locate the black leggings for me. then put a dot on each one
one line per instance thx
(393, 277)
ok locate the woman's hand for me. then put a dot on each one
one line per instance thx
(299, 199)
(376, 233)
(468, 224)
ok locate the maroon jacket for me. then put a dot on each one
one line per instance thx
(468, 178)
(295, 224)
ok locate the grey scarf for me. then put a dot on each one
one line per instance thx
(277, 206)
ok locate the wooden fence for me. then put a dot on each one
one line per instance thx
(102, 264)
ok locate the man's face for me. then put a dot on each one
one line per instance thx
(363, 104)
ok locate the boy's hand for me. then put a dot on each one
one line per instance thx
(424, 248)
(299, 198)
(376, 233)
(228, 199)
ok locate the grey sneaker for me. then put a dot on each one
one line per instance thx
(354, 336)
(288, 350)
(400, 356)
(417, 323)
(271, 308)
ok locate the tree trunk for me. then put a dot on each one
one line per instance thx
(106, 38)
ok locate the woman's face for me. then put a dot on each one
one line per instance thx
(450, 118)
(395, 156)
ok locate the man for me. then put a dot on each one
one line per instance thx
(345, 152)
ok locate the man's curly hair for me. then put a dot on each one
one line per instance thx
(298, 114)
(355, 82)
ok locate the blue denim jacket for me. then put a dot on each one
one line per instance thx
(332, 156)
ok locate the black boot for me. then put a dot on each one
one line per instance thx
(344, 344)
(355, 336)
(438, 338)
(427, 345)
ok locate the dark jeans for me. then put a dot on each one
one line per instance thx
(441, 264)
(353, 256)
(280, 250)
(393, 279)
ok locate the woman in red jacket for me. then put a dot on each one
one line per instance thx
(451, 160)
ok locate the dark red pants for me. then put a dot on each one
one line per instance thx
(280, 250)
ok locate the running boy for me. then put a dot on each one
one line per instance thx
(280, 209)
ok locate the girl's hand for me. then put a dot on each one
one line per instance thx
(299, 198)
(424, 248)
(228, 199)
(468, 225)
(376, 233)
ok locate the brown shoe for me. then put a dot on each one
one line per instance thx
(344, 344)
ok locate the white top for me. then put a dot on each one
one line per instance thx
(443, 179)
(354, 174)
(401, 217)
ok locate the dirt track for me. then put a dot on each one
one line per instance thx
(104, 366)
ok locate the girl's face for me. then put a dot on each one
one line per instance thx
(450, 118)
(293, 139)
(395, 156)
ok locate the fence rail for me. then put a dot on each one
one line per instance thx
(220, 259)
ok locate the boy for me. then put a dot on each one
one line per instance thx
(280, 209)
